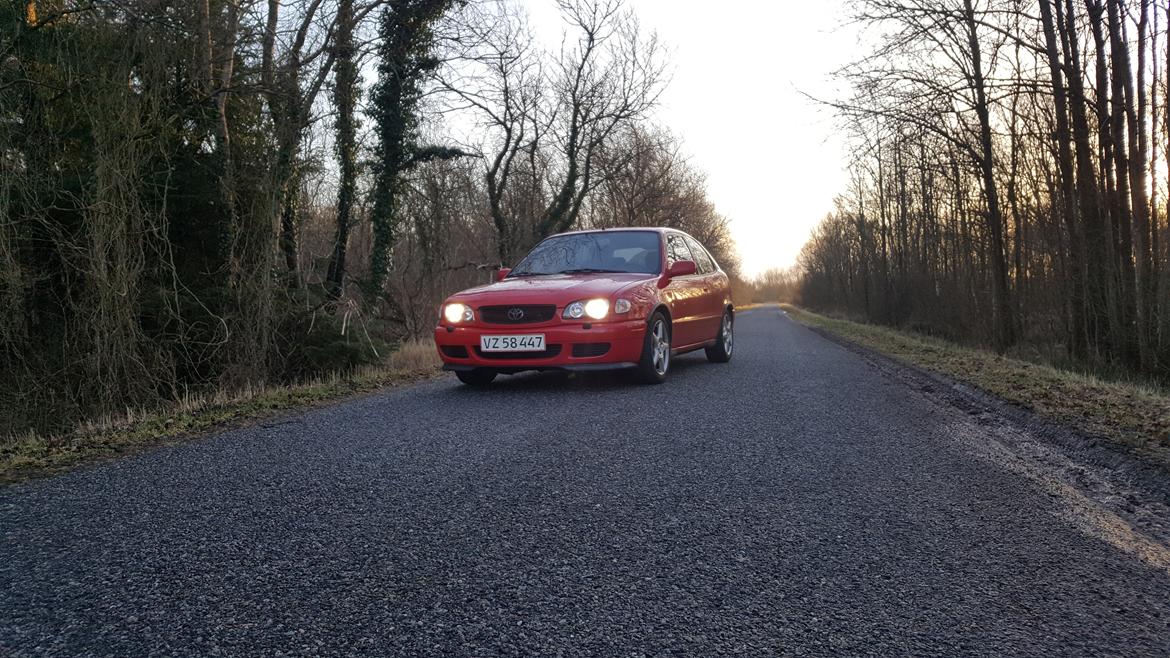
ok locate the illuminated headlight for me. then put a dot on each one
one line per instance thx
(596, 309)
(456, 313)
(621, 306)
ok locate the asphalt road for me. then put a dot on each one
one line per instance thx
(795, 501)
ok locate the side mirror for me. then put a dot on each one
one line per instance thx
(502, 272)
(681, 268)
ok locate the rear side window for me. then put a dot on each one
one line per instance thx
(676, 250)
(702, 260)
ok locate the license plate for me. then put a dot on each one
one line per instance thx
(520, 343)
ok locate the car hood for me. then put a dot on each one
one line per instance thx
(559, 289)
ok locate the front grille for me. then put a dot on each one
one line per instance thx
(590, 349)
(455, 351)
(517, 313)
(549, 352)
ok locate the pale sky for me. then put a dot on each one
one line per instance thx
(773, 160)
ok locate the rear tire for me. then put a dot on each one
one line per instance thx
(655, 362)
(477, 377)
(721, 351)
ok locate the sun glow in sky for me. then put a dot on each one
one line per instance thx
(773, 159)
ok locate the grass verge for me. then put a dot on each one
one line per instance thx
(29, 456)
(1133, 415)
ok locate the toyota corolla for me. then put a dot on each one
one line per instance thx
(592, 300)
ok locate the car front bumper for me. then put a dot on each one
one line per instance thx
(603, 346)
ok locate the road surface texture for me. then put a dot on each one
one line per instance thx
(801, 500)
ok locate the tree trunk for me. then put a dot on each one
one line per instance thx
(345, 98)
(1068, 202)
(1123, 258)
(1087, 189)
(268, 48)
(219, 93)
(1135, 114)
(1003, 322)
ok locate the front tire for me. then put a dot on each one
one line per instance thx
(721, 351)
(477, 377)
(655, 362)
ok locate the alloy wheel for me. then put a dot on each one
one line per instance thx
(728, 335)
(660, 344)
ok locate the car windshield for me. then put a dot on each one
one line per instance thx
(603, 251)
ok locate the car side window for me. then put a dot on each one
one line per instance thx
(676, 250)
(702, 260)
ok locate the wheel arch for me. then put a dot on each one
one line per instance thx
(661, 306)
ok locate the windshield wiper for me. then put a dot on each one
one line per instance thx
(590, 270)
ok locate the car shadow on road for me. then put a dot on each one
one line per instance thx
(559, 382)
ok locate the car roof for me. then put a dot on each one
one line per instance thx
(654, 229)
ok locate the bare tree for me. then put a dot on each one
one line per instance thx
(1029, 132)
(499, 76)
(549, 124)
(931, 73)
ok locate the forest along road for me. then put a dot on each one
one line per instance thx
(796, 500)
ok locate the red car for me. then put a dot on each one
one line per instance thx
(592, 300)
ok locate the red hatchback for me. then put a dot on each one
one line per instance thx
(592, 300)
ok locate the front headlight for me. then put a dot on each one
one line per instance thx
(596, 309)
(456, 313)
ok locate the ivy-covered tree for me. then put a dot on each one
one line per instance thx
(406, 59)
(345, 96)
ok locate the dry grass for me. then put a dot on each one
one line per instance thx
(415, 355)
(31, 455)
(1132, 414)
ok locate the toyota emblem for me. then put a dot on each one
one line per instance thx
(515, 314)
